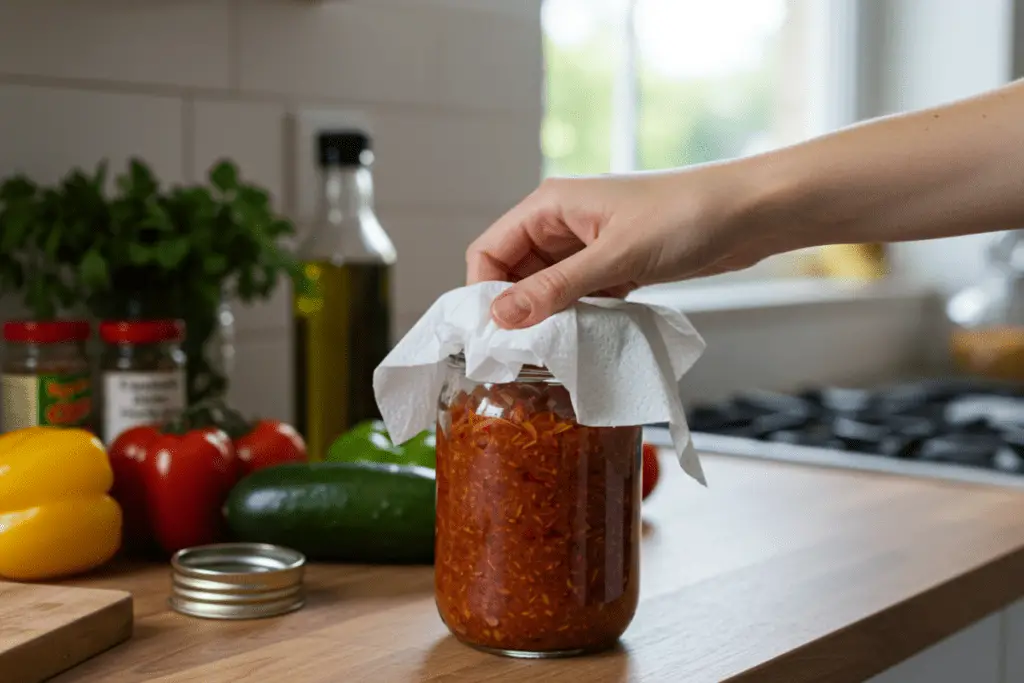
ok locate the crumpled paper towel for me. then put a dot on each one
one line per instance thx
(620, 362)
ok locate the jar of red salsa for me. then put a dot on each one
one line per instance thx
(538, 519)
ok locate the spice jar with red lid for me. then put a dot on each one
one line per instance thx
(143, 373)
(46, 374)
(538, 519)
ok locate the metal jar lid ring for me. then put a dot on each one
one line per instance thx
(237, 581)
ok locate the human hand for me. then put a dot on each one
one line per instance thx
(609, 235)
(939, 172)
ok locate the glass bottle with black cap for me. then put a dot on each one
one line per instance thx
(343, 301)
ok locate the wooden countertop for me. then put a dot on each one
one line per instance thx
(776, 574)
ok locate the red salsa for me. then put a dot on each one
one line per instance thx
(538, 520)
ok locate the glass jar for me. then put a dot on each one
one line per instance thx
(142, 372)
(538, 519)
(222, 345)
(987, 318)
(46, 375)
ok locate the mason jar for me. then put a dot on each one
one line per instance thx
(538, 519)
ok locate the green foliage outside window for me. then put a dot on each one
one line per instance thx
(682, 121)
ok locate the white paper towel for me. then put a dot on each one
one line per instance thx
(620, 362)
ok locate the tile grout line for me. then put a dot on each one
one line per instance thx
(494, 12)
(290, 100)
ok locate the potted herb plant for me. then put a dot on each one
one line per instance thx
(143, 251)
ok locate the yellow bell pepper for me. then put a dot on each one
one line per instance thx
(56, 518)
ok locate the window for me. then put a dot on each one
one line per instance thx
(651, 84)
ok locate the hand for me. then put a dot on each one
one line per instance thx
(609, 235)
(950, 170)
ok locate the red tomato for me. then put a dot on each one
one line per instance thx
(187, 479)
(269, 443)
(650, 470)
(128, 456)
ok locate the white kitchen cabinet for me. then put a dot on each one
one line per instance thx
(1013, 638)
(990, 651)
(974, 655)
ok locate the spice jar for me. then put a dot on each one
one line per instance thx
(143, 373)
(46, 378)
(538, 519)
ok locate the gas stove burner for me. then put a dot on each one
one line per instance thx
(955, 421)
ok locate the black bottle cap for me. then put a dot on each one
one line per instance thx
(344, 148)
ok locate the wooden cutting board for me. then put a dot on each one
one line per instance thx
(45, 630)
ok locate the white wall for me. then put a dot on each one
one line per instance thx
(923, 53)
(453, 89)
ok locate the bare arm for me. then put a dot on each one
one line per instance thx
(945, 171)
(950, 170)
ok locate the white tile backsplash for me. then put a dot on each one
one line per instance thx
(339, 50)
(261, 384)
(264, 316)
(518, 8)
(431, 254)
(467, 161)
(453, 89)
(492, 61)
(45, 132)
(183, 43)
(249, 133)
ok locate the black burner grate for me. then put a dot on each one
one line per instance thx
(962, 421)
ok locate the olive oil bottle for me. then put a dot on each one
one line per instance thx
(342, 308)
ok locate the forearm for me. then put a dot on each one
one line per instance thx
(946, 171)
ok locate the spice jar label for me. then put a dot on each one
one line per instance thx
(131, 399)
(53, 400)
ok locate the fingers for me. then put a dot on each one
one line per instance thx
(493, 254)
(528, 265)
(555, 288)
(482, 267)
(554, 262)
(535, 229)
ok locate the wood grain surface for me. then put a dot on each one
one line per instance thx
(776, 574)
(47, 629)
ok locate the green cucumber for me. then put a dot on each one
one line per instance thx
(349, 512)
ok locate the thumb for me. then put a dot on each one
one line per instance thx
(551, 290)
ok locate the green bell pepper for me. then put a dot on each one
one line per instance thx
(369, 441)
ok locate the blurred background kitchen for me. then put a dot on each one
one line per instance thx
(470, 103)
